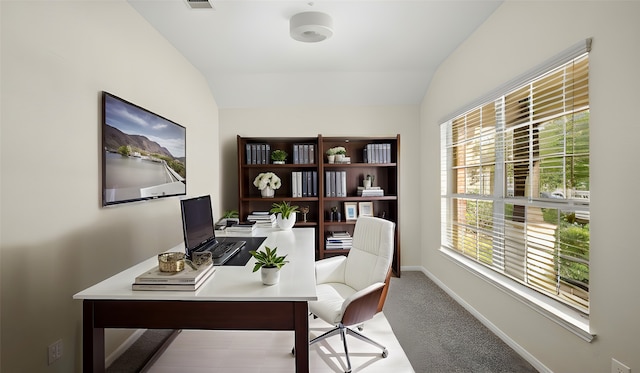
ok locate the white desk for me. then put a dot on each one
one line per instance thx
(234, 297)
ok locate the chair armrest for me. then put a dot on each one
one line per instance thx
(330, 269)
(362, 305)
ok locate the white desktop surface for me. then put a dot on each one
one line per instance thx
(229, 283)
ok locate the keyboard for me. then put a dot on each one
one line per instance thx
(219, 249)
(222, 251)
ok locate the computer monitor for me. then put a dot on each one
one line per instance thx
(197, 222)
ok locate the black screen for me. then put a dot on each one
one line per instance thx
(197, 221)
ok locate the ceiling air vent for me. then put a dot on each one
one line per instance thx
(199, 4)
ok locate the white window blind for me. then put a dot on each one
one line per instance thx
(515, 181)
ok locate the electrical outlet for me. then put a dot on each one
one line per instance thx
(618, 367)
(55, 351)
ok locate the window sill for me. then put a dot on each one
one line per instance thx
(568, 318)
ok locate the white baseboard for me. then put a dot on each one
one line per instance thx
(504, 337)
(123, 347)
(412, 268)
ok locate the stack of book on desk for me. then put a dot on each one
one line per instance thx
(242, 228)
(338, 241)
(370, 192)
(263, 219)
(189, 279)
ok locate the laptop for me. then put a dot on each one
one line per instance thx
(199, 233)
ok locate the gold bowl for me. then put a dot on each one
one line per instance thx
(171, 262)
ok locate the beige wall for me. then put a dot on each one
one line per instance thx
(56, 239)
(517, 37)
(334, 121)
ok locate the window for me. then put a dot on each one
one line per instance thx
(515, 183)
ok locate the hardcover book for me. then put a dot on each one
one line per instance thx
(183, 286)
(187, 276)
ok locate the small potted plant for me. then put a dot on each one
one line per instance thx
(338, 152)
(368, 181)
(286, 217)
(279, 156)
(331, 155)
(269, 263)
(267, 183)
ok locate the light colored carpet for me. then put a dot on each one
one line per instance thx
(270, 352)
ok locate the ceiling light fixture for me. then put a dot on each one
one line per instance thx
(311, 27)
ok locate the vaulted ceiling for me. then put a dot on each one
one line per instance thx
(382, 52)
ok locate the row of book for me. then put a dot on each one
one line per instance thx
(304, 184)
(338, 240)
(335, 183)
(377, 153)
(304, 153)
(263, 219)
(189, 279)
(258, 153)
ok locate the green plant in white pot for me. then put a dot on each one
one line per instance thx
(279, 156)
(269, 263)
(286, 214)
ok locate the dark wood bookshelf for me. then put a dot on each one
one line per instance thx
(386, 177)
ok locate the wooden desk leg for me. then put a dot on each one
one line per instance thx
(301, 317)
(92, 341)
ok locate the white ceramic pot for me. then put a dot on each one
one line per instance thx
(339, 157)
(270, 276)
(331, 158)
(288, 223)
(267, 192)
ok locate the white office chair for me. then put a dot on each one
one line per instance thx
(351, 289)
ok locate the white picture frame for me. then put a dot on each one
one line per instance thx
(350, 211)
(365, 208)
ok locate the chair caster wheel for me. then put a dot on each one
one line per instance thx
(385, 353)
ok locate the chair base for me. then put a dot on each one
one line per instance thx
(343, 331)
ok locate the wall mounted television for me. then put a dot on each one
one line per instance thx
(143, 154)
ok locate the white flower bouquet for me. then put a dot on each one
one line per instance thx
(267, 179)
(337, 150)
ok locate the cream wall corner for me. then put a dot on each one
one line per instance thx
(56, 239)
(517, 37)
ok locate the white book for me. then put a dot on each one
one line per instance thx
(387, 153)
(344, 183)
(299, 181)
(294, 184)
(333, 184)
(327, 184)
(174, 287)
(338, 184)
